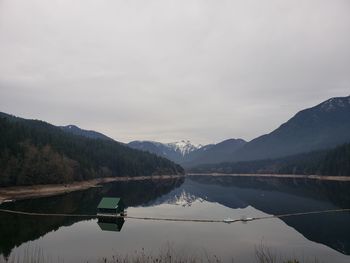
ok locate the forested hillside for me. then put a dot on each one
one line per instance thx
(35, 152)
(335, 162)
(86, 133)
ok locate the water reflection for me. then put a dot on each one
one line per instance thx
(111, 224)
(281, 196)
(199, 196)
(17, 229)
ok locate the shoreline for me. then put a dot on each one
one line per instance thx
(291, 176)
(13, 193)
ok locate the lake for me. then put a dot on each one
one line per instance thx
(74, 239)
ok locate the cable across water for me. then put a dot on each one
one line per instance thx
(181, 219)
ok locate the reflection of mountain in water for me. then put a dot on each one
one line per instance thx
(176, 197)
(16, 229)
(270, 195)
(185, 199)
(279, 196)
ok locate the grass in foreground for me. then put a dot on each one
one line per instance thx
(166, 255)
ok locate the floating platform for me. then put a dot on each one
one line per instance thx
(111, 207)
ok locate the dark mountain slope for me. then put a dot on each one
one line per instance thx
(214, 153)
(157, 148)
(323, 126)
(35, 152)
(86, 133)
(68, 128)
(334, 162)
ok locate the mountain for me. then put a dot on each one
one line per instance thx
(36, 152)
(188, 154)
(175, 151)
(214, 153)
(184, 147)
(321, 127)
(331, 162)
(68, 128)
(86, 133)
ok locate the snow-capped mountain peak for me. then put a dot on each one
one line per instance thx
(175, 151)
(183, 147)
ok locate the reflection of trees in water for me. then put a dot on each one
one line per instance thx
(279, 196)
(17, 229)
(335, 192)
(272, 196)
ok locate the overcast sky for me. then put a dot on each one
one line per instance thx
(204, 70)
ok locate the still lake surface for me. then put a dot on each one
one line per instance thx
(322, 236)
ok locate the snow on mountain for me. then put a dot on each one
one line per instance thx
(184, 147)
(175, 151)
(186, 153)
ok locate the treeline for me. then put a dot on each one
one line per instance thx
(334, 162)
(35, 152)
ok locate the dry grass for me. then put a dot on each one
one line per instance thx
(29, 255)
(167, 254)
(263, 254)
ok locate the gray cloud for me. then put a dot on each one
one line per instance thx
(165, 70)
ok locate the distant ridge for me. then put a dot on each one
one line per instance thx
(72, 129)
(86, 133)
(188, 154)
(215, 153)
(331, 162)
(321, 127)
(176, 151)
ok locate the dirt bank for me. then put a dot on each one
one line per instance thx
(24, 192)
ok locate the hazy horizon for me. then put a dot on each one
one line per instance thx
(178, 140)
(203, 71)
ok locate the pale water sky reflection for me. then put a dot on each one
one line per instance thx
(198, 198)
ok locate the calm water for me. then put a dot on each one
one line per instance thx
(325, 236)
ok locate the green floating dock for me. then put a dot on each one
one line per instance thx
(110, 207)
